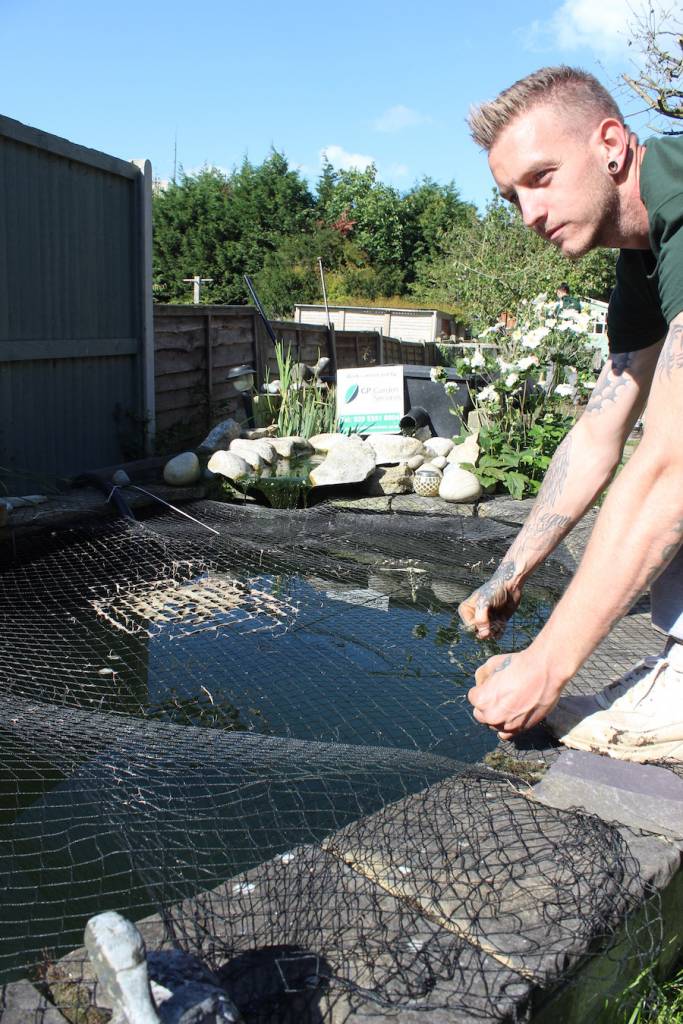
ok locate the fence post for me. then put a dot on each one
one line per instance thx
(147, 316)
(209, 371)
(333, 348)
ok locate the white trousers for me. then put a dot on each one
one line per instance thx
(666, 599)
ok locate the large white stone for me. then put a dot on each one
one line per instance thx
(221, 436)
(230, 465)
(438, 445)
(182, 469)
(390, 448)
(459, 485)
(468, 451)
(326, 442)
(415, 461)
(264, 449)
(345, 464)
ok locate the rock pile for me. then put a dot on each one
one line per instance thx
(385, 463)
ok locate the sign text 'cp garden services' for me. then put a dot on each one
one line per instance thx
(370, 400)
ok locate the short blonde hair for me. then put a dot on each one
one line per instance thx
(574, 92)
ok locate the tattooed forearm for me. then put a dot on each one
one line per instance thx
(611, 382)
(671, 357)
(556, 476)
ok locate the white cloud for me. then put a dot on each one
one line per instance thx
(584, 24)
(395, 119)
(339, 157)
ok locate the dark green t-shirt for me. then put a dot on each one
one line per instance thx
(649, 290)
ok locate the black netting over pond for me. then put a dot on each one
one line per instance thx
(260, 739)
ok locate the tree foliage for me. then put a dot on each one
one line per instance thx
(658, 36)
(490, 264)
(377, 245)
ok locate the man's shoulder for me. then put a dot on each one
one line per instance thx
(662, 170)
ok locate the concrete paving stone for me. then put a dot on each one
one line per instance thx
(528, 890)
(21, 1003)
(642, 796)
(369, 940)
(505, 509)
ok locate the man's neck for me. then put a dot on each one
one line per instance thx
(633, 226)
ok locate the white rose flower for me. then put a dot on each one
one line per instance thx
(564, 390)
(511, 380)
(527, 362)
(551, 322)
(477, 359)
(450, 387)
(588, 384)
(488, 394)
(503, 365)
(534, 338)
(436, 374)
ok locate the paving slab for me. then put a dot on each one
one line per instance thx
(471, 853)
(643, 796)
(21, 1002)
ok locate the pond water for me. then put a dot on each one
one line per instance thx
(328, 643)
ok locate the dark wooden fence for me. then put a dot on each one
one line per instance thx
(196, 346)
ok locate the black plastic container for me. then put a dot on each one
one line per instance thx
(421, 392)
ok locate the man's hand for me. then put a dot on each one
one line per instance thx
(514, 692)
(486, 612)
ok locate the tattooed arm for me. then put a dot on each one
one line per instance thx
(581, 468)
(639, 529)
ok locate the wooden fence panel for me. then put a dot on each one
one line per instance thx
(196, 347)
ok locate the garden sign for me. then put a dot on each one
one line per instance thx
(370, 400)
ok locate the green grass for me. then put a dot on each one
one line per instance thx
(659, 1003)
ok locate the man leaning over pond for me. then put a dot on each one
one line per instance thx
(559, 150)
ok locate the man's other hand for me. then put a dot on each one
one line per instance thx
(514, 692)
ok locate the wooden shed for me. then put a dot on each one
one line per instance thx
(421, 325)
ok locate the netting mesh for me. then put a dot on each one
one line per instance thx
(260, 740)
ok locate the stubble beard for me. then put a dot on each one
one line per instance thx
(602, 219)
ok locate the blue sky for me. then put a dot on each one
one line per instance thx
(363, 79)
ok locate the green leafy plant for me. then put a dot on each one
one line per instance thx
(524, 405)
(306, 407)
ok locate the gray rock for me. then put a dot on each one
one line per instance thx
(325, 442)
(221, 436)
(440, 461)
(468, 451)
(459, 485)
(390, 480)
(21, 1003)
(258, 433)
(182, 470)
(230, 465)
(392, 448)
(415, 461)
(264, 449)
(284, 446)
(345, 464)
(438, 445)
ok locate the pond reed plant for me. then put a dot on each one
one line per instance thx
(526, 382)
(306, 407)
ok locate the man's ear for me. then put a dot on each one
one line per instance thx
(611, 137)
